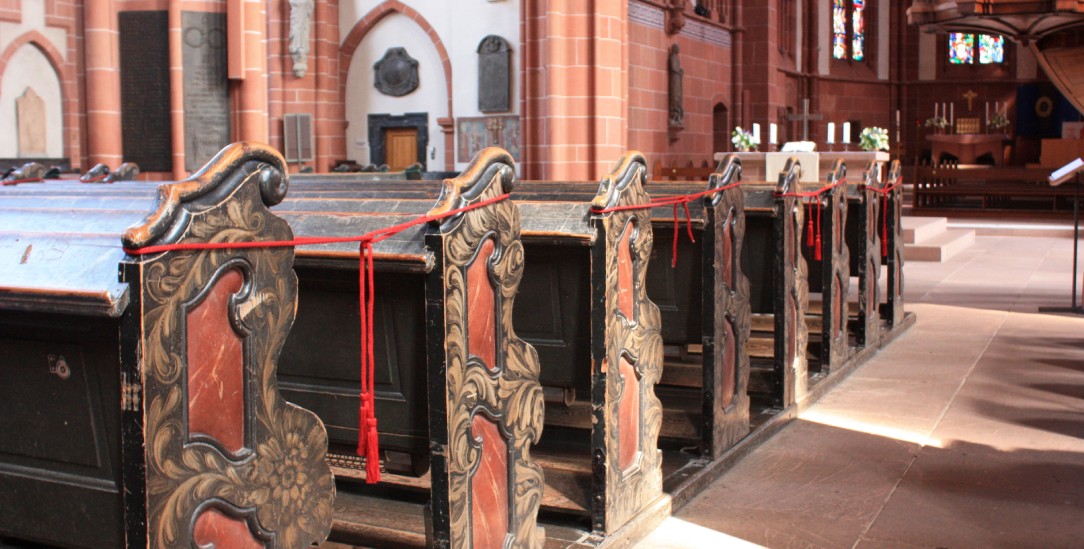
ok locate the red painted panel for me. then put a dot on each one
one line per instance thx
(730, 360)
(871, 288)
(841, 309)
(728, 251)
(628, 416)
(482, 318)
(624, 274)
(489, 486)
(215, 529)
(216, 403)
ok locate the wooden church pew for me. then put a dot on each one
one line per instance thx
(140, 404)
(779, 292)
(584, 277)
(458, 402)
(829, 275)
(892, 310)
(704, 302)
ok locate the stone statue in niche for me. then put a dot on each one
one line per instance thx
(396, 73)
(676, 85)
(300, 21)
(30, 116)
(494, 66)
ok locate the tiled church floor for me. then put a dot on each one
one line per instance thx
(968, 431)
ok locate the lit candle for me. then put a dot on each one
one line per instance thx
(935, 106)
(756, 133)
(773, 133)
(987, 112)
(831, 133)
(846, 132)
(952, 113)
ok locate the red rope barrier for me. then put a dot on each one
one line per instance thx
(885, 193)
(368, 439)
(682, 200)
(18, 181)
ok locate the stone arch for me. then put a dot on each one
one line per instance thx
(65, 83)
(39, 41)
(366, 24)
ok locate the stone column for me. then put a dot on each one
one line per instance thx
(102, 52)
(575, 88)
(252, 116)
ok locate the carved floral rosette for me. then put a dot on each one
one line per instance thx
(627, 354)
(869, 291)
(225, 461)
(895, 245)
(792, 288)
(490, 377)
(836, 275)
(726, 300)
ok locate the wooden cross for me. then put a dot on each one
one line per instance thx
(970, 96)
(805, 117)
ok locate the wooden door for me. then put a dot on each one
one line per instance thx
(401, 145)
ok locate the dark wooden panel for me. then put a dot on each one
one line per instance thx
(59, 415)
(676, 290)
(552, 313)
(319, 368)
(757, 262)
(146, 121)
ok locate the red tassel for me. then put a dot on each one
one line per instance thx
(677, 231)
(817, 244)
(363, 417)
(372, 457)
(688, 222)
(884, 227)
(809, 227)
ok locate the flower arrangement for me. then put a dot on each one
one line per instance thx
(939, 122)
(998, 121)
(873, 139)
(744, 141)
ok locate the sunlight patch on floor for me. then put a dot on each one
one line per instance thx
(675, 533)
(852, 424)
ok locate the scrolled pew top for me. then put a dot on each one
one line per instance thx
(221, 177)
(727, 173)
(632, 167)
(489, 166)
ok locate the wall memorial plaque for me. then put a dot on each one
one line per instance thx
(494, 67)
(396, 74)
(206, 87)
(146, 126)
(30, 116)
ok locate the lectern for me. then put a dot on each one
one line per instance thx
(1062, 175)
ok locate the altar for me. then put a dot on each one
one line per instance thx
(968, 147)
(757, 165)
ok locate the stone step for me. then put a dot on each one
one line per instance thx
(941, 247)
(917, 229)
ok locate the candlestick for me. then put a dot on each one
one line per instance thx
(846, 132)
(987, 113)
(831, 133)
(756, 133)
(952, 114)
(773, 134)
(935, 110)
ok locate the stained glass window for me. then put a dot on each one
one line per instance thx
(839, 29)
(858, 22)
(991, 49)
(961, 48)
